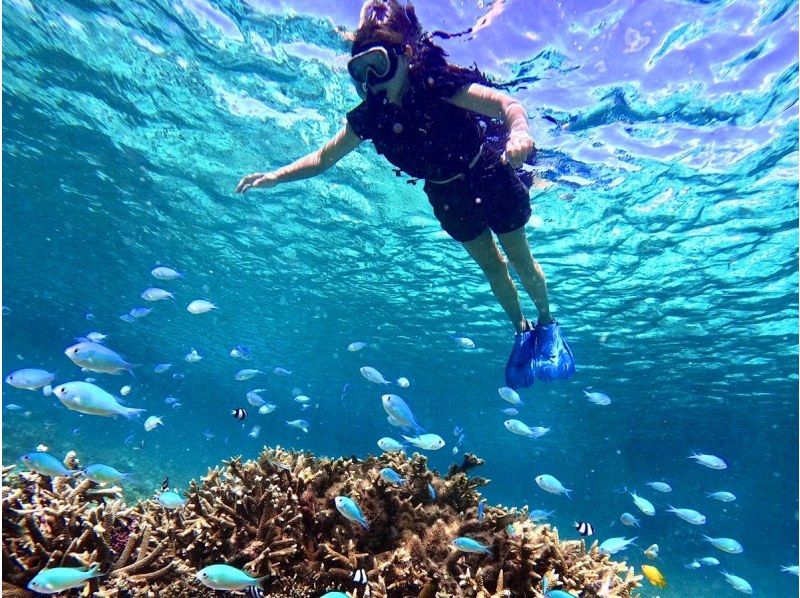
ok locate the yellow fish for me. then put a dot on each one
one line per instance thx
(654, 576)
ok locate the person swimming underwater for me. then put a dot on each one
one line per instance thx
(445, 124)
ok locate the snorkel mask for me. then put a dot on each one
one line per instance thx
(374, 65)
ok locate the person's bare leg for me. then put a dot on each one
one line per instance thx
(486, 254)
(515, 244)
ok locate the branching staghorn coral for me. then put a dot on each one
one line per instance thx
(276, 516)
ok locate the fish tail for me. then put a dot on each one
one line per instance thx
(132, 413)
(129, 368)
(567, 491)
(260, 581)
(94, 570)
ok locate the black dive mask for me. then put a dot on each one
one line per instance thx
(374, 65)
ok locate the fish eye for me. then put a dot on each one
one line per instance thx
(75, 351)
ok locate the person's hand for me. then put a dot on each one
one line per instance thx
(261, 180)
(518, 148)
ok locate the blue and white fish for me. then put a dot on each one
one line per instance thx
(139, 312)
(710, 461)
(267, 408)
(152, 422)
(45, 463)
(171, 500)
(400, 412)
(300, 424)
(660, 486)
(87, 398)
(98, 358)
(165, 273)
(517, 427)
(431, 491)
(156, 294)
(598, 398)
(510, 411)
(104, 474)
(628, 519)
(60, 579)
(510, 395)
(390, 445)
(302, 399)
(162, 367)
(722, 495)
(96, 337)
(463, 341)
(127, 318)
(193, 356)
(254, 398)
(793, 569)
(688, 515)
(30, 378)
(644, 505)
(427, 442)
(481, 510)
(615, 545)
(693, 565)
(200, 306)
(348, 507)
(356, 346)
(279, 371)
(373, 375)
(225, 577)
(246, 374)
(241, 352)
(738, 583)
(403, 382)
(469, 545)
(728, 545)
(550, 484)
(539, 515)
(390, 476)
(709, 560)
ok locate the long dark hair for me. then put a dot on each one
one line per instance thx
(391, 23)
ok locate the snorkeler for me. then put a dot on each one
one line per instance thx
(444, 124)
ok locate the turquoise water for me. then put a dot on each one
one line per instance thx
(665, 220)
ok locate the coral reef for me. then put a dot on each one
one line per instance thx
(276, 516)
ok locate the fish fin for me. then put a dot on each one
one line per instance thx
(132, 413)
(567, 491)
(94, 570)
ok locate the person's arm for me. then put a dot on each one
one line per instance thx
(344, 142)
(495, 104)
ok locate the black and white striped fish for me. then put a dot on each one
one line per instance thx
(359, 578)
(584, 528)
(254, 592)
(239, 413)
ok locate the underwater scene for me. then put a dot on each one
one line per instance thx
(306, 389)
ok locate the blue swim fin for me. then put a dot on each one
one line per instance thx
(520, 372)
(552, 357)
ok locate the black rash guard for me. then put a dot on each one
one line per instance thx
(427, 137)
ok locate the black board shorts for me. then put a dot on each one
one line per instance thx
(490, 195)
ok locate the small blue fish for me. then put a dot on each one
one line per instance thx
(45, 463)
(345, 388)
(432, 492)
(104, 474)
(628, 519)
(165, 273)
(162, 367)
(127, 318)
(481, 506)
(170, 500)
(538, 515)
(30, 378)
(139, 312)
(510, 411)
(59, 579)
(457, 430)
(347, 507)
(282, 371)
(391, 476)
(225, 577)
(300, 424)
(241, 352)
(469, 545)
